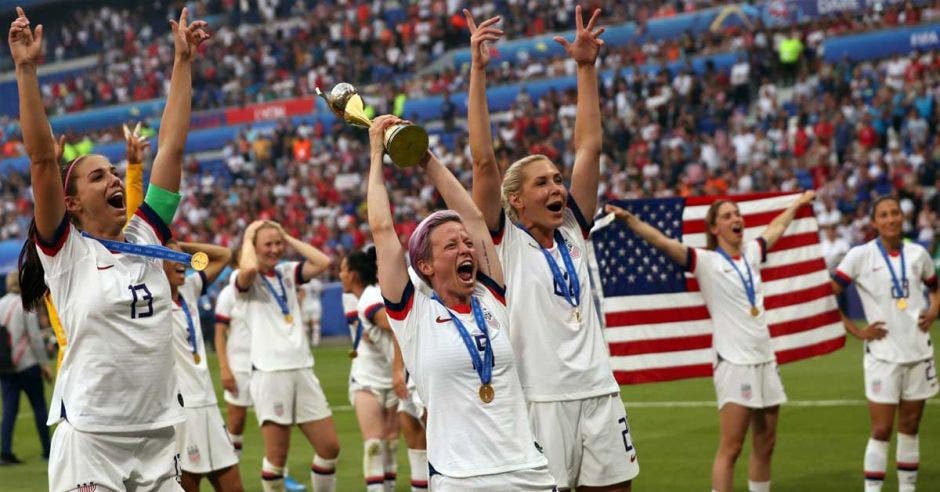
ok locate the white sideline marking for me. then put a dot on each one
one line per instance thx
(671, 404)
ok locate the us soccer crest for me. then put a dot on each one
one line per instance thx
(491, 321)
(193, 453)
(746, 391)
(279, 409)
(573, 249)
(87, 487)
(876, 386)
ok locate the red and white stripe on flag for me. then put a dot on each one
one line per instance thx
(667, 336)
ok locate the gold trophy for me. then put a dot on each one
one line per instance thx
(405, 144)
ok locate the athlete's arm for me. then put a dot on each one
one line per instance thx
(393, 272)
(487, 177)
(587, 124)
(675, 250)
(380, 319)
(49, 198)
(248, 259)
(219, 256)
(398, 372)
(929, 315)
(780, 223)
(174, 125)
(221, 345)
(134, 176)
(316, 261)
(874, 331)
(458, 200)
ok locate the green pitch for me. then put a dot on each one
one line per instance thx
(821, 439)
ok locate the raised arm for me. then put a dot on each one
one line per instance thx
(174, 125)
(134, 178)
(458, 200)
(776, 228)
(248, 259)
(316, 261)
(219, 256)
(487, 177)
(587, 123)
(49, 197)
(675, 250)
(393, 272)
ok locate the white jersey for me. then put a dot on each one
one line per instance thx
(238, 342)
(865, 266)
(560, 356)
(278, 341)
(117, 374)
(26, 342)
(195, 382)
(373, 365)
(738, 337)
(466, 436)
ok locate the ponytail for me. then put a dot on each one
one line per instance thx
(31, 273)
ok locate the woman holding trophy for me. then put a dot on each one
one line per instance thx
(541, 234)
(449, 306)
(113, 298)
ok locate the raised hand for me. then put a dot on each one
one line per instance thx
(59, 148)
(620, 214)
(187, 37)
(136, 144)
(587, 42)
(807, 197)
(480, 38)
(25, 44)
(377, 131)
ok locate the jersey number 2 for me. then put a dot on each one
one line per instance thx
(142, 303)
(627, 442)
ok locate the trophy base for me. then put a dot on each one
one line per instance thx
(406, 144)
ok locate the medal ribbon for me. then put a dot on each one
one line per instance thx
(483, 367)
(748, 282)
(358, 334)
(191, 328)
(573, 294)
(898, 285)
(147, 250)
(281, 299)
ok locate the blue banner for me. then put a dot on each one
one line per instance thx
(882, 44)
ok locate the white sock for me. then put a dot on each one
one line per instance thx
(390, 453)
(323, 474)
(272, 477)
(418, 458)
(753, 486)
(876, 461)
(908, 457)
(373, 468)
(237, 441)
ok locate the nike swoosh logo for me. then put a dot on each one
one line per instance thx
(105, 267)
(876, 269)
(632, 458)
(443, 320)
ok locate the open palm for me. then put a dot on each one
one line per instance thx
(480, 38)
(587, 42)
(25, 43)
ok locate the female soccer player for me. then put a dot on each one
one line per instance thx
(204, 447)
(900, 373)
(564, 363)
(370, 378)
(747, 382)
(113, 443)
(478, 433)
(284, 389)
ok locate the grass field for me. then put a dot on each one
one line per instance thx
(821, 439)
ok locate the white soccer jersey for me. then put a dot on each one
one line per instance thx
(559, 356)
(466, 437)
(117, 375)
(278, 341)
(738, 336)
(195, 382)
(238, 343)
(865, 266)
(28, 347)
(373, 365)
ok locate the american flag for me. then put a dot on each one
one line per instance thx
(657, 325)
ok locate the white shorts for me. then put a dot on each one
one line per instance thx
(202, 442)
(243, 384)
(531, 479)
(751, 386)
(413, 406)
(587, 442)
(288, 397)
(144, 460)
(386, 397)
(888, 382)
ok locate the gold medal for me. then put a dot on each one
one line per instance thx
(196, 358)
(902, 304)
(289, 319)
(199, 261)
(577, 314)
(486, 393)
(754, 311)
(353, 354)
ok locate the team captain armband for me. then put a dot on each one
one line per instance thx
(163, 202)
